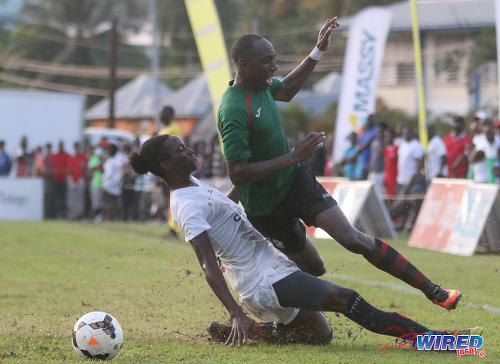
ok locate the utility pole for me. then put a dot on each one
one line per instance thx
(155, 63)
(112, 75)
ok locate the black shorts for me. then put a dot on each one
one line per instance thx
(306, 199)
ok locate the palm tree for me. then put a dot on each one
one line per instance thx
(74, 32)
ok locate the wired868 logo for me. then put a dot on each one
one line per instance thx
(440, 341)
(462, 344)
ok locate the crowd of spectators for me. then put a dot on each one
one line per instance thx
(96, 182)
(394, 160)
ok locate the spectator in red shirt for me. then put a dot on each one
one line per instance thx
(391, 162)
(76, 183)
(60, 164)
(455, 143)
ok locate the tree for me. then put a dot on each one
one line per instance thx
(74, 32)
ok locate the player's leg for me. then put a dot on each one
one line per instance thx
(383, 256)
(310, 293)
(288, 235)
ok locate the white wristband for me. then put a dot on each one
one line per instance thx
(316, 54)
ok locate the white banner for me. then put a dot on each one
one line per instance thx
(363, 58)
(497, 17)
(21, 199)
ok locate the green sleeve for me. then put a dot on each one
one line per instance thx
(275, 86)
(233, 127)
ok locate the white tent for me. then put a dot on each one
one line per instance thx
(134, 100)
(192, 100)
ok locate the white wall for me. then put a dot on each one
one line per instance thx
(40, 115)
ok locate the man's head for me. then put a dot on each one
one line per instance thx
(353, 138)
(370, 122)
(254, 57)
(165, 156)
(167, 114)
(76, 147)
(112, 150)
(431, 131)
(61, 146)
(458, 124)
(2, 144)
(407, 133)
(389, 136)
(381, 127)
(24, 142)
(489, 129)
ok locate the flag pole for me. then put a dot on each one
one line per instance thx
(422, 118)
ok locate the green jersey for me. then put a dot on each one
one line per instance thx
(250, 126)
(94, 161)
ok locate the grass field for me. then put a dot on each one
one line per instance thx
(51, 273)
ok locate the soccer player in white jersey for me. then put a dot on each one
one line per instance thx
(269, 285)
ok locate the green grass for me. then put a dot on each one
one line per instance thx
(51, 273)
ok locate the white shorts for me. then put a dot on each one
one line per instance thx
(263, 302)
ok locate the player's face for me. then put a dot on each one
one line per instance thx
(182, 158)
(261, 66)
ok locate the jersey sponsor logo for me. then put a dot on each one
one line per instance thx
(237, 215)
(258, 112)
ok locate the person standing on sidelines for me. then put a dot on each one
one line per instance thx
(390, 162)
(488, 144)
(435, 162)
(111, 184)
(5, 161)
(60, 169)
(275, 189)
(455, 143)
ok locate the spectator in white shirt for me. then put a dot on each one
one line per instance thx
(435, 163)
(111, 183)
(410, 158)
(488, 144)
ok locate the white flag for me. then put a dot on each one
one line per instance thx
(362, 61)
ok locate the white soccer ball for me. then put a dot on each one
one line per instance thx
(97, 335)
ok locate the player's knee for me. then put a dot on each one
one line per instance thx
(318, 269)
(356, 242)
(337, 298)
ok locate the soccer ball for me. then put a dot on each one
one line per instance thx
(97, 335)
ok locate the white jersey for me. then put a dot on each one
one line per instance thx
(244, 253)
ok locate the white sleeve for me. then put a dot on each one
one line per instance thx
(417, 150)
(441, 148)
(192, 219)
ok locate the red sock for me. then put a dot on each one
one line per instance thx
(386, 258)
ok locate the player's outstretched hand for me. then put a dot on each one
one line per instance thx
(242, 326)
(308, 145)
(324, 33)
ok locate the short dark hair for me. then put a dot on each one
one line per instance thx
(167, 114)
(243, 46)
(459, 119)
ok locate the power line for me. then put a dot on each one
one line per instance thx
(52, 86)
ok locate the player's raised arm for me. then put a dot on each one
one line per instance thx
(294, 81)
(241, 323)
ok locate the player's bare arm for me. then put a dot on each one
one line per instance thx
(294, 81)
(241, 323)
(233, 195)
(242, 172)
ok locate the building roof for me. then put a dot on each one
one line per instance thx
(441, 14)
(192, 100)
(134, 100)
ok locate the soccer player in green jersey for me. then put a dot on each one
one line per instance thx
(275, 189)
